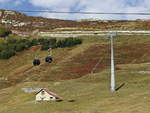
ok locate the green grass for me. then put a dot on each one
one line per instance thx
(125, 52)
(91, 92)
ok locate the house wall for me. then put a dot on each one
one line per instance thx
(45, 96)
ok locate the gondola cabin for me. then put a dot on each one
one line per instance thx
(48, 59)
(46, 95)
(36, 62)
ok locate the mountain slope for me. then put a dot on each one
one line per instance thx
(21, 22)
(88, 94)
(73, 63)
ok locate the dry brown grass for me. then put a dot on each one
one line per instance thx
(71, 63)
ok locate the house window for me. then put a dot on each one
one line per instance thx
(43, 92)
(51, 97)
(42, 99)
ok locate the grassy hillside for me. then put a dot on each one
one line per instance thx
(71, 76)
(89, 94)
(71, 63)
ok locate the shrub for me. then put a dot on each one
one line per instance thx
(68, 42)
(47, 43)
(12, 46)
(6, 54)
(34, 42)
(4, 31)
(20, 47)
(3, 46)
(12, 41)
(45, 47)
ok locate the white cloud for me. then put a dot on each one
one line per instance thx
(76, 5)
(94, 5)
(17, 3)
(85, 5)
(54, 3)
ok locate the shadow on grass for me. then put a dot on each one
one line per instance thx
(71, 100)
(59, 100)
(117, 89)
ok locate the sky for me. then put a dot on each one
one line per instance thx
(123, 6)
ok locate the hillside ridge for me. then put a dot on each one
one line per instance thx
(21, 22)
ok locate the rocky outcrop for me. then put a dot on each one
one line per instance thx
(22, 23)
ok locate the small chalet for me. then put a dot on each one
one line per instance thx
(46, 95)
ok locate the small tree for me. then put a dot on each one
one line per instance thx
(20, 47)
(6, 54)
(4, 31)
(68, 42)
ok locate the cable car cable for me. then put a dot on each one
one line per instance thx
(49, 58)
(81, 12)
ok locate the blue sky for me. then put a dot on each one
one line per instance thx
(80, 5)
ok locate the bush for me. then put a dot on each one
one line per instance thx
(6, 54)
(34, 42)
(3, 46)
(12, 41)
(4, 31)
(12, 46)
(45, 47)
(20, 47)
(68, 42)
(48, 43)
